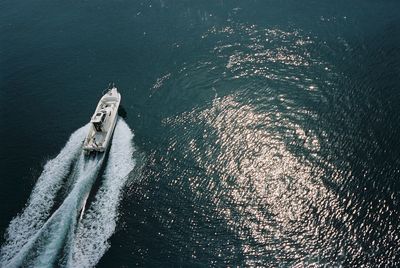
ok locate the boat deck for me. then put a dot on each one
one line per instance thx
(100, 137)
(103, 122)
(97, 139)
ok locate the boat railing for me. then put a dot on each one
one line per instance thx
(105, 91)
(110, 86)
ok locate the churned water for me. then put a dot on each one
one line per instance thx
(266, 133)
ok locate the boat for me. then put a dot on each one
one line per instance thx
(102, 123)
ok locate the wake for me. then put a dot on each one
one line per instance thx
(36, 238)
(99, 222)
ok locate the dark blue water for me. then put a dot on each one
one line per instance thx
(265, 132)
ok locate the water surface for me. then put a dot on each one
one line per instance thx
(267, 130)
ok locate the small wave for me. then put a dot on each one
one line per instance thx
(38, 207)
(99, 222)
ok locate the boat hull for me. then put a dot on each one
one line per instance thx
(103, 123)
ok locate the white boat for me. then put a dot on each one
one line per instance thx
(103, 122)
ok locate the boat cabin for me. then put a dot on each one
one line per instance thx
(98, 120)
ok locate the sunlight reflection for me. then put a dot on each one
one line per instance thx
(264, 192)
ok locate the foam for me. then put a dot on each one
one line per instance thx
(35, 238)
(38, 207)
(62, 225)
(50, 238)
(99, 222)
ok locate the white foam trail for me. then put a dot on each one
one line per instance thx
(37, 210)
(61, 223)
(99, 222)
(64, 222)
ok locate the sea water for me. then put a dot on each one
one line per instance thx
(266, 133)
